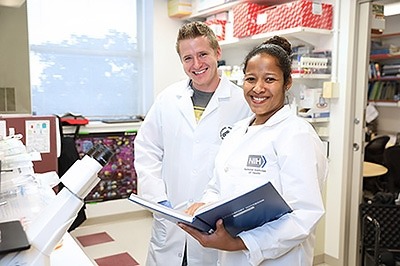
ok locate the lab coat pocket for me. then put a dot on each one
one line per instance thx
(160, 227)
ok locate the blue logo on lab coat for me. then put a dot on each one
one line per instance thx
(258, 161)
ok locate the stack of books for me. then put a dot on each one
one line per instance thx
(390, 70)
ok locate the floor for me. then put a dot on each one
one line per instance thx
(119, 239)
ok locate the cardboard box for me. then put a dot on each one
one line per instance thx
(378, 18)
(245, 18)
(179, 8)
(218, 26)
(300, 13)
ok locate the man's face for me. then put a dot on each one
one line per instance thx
(199, 62)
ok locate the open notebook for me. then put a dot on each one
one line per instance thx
(239, 213)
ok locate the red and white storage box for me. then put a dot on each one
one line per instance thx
(245, 18)
(300, 13)
(218, 26)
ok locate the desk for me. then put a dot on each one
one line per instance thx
(373, 169)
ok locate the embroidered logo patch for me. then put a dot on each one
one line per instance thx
(225, 131)
(257, 161)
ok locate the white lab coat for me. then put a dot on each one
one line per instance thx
(296, 165)
(174, 160)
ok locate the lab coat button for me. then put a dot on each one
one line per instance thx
(180, 255)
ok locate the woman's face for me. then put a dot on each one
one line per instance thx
(199, 61)
(264, 88)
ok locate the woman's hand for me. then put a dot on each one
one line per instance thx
(220, 239)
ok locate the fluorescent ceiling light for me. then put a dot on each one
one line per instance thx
(391, 9)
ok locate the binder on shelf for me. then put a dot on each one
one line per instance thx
(244, 212)
(375, 90)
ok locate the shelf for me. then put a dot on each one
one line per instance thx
(311, 76)
(227, 6)
(211, 11)
(386, 103)
(100, 127)
(317, 120)
(385, 36)
(386, 78)
(306, 76)
(298, 35)
(384, 56)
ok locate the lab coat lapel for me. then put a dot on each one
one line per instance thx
(241, 138)
(185, 105)
(221, 92)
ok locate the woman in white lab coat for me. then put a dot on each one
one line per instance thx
(295, 163)
(175, 152)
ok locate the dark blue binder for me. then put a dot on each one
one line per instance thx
(245, 212)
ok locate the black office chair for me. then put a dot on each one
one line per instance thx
(374, 149)
(380, 234)
(397, 139)
(391, 159)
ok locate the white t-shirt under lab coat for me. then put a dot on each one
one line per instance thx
(296, 165)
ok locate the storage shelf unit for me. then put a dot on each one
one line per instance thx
(379, 80)
(298, 35)
(238, 47)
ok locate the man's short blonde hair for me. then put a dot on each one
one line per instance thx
(196, 29)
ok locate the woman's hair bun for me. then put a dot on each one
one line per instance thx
(280, 41)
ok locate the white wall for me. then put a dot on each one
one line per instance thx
(14, 55)
(388, 120)
(167, 66)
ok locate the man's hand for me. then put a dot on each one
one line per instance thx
(194, 207)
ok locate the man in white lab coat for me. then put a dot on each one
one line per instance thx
(177, 143)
